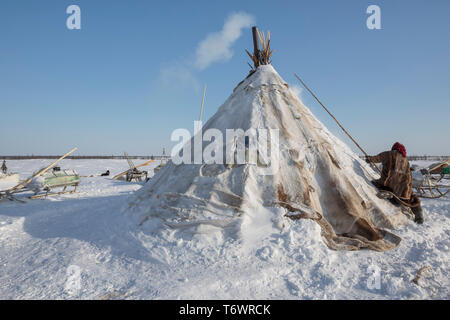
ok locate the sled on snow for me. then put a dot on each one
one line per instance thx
(427, 185)
(133, 173)
(9, 194)
(53, 180)
(431, 190)
(440, 170)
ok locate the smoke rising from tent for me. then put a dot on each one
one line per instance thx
(217, 46)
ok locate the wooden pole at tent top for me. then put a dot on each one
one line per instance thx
(255, 42)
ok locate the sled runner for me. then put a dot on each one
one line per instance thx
(431, 191)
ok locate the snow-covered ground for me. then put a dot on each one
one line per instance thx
(84, 246)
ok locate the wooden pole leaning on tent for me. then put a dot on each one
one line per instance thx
(343, 129)
(402, 201)
(26, 182)
(203, 101)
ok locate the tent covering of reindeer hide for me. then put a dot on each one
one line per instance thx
(316, 177)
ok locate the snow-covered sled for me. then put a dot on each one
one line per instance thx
(43, 185)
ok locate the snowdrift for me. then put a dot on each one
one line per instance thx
(318, 177)
(8, 180)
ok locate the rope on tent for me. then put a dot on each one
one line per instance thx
(399, 199)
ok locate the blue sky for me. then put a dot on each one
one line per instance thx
(129, 77)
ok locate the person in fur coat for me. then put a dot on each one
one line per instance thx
(396, 177)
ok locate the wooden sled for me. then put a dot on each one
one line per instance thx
(132, 173)
(58, 179)
(136, 175)
(440, 171)
(437, 168)
(9, 194)
(426, 185)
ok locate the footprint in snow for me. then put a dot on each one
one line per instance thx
(292, 287)
(102, 257)
(265, 253)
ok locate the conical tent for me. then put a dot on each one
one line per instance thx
(315, 176)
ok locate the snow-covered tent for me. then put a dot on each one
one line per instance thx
(317, 176)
